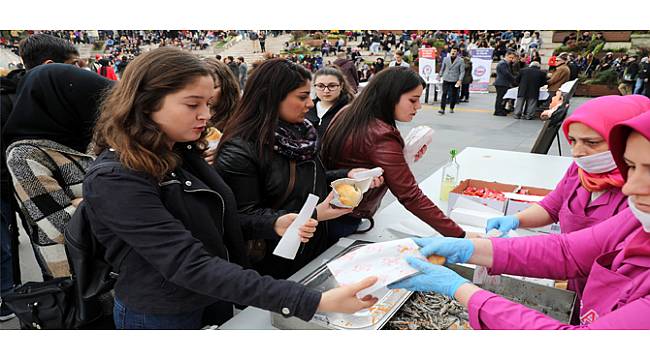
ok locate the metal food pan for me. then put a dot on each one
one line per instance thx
(556, 303)
(372, 319)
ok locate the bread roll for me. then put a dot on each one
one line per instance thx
(213, 134)
(437, 260)
(348, 194)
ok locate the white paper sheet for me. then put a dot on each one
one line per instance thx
(386, 260)
(372, 173)
(290, 242)
(470, 217)
(520, 197)
(415, 140)
(465, 203)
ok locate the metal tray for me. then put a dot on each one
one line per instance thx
(556, 303)
(373, 318)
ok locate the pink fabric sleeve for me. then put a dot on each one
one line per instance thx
(553, 201)
(554, 256)
(490, 311)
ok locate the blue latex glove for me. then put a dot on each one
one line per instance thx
(504, 224)
(431, 278)
(456, 250)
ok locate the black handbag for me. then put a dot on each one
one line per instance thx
(43, 305)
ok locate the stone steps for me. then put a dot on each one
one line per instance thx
(245, 48)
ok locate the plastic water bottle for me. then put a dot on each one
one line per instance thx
(449, 176)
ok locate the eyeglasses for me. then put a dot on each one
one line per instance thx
(330, 87)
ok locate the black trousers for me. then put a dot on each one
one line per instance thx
(499, 107)
(464, 92)
(448, 90)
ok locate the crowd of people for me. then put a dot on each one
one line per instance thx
(191, 227)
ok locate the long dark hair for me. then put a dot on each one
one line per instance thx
(125, 124)
(346, 89)
(257, 114)
(224, 107)
(376, 101)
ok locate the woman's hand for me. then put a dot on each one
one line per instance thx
(376, 181)
(325, 210)
(209, 155)
(306, 231)
(76, 201)
(430, 278)
(421, 152)
(343, 299)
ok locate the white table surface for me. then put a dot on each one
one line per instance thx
(512, 93)
(509, 167)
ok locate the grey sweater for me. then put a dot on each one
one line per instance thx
(452, 71)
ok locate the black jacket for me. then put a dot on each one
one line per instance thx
(504, 75)
(322, 123)
(186, 241)
(573, 67)
(259, 183)
(644, 70)
(8, 90)
(530, 79)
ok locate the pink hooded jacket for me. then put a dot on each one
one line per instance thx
(617, 291)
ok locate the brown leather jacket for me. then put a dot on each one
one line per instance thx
(383, 146)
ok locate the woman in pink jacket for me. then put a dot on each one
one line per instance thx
(613, 255)
(590, 191)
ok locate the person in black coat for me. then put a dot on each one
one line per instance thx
(573, 67)
(530, 79)
(150, 197)
(503, 82)
(269, 157)
(332, 93)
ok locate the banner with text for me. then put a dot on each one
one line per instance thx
(427, 63)
(427, 68)
(481, 69)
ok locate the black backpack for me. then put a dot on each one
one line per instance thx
(82, 301)
(93, 273)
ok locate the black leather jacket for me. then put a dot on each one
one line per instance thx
(186, 241)
(259, 183)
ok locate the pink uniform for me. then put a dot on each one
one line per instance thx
(570, 203)
(617, 292)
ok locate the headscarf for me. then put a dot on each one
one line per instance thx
(56, 102)
(600, 114)
(640, 245)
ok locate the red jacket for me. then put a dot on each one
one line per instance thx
(383, 146)
(110, 73)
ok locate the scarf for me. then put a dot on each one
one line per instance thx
(600, 182)
(56, 102)
(296, 141)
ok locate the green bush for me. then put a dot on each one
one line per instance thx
(434, 43)
(581, 47)
(607, 77)
(623, 50)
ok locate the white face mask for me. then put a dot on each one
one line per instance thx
(597, 163)
(643, 217)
